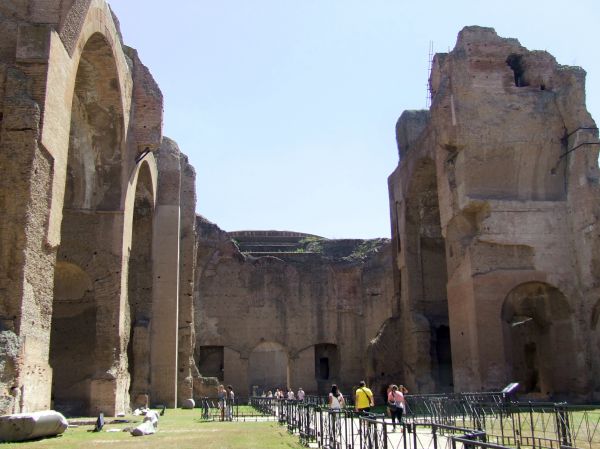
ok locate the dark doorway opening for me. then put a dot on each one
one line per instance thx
(323, 372)
(211, 361)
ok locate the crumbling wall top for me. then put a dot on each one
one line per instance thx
(409, 127)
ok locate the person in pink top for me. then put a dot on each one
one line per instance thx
(396, 405)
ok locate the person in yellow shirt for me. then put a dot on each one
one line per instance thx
(363, 400)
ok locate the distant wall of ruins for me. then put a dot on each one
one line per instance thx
(277, 319)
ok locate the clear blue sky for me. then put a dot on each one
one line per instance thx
(286, 108)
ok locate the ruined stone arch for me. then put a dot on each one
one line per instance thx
(539, 339)
(92, 228)
(96, 156)
(136, 313)
(148, 164)
(141, 190)
(87, 23)
(93, 231)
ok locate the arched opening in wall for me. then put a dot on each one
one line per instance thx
(139, 290)
(268, 367)
(84, 330)
(327, 365)
(73, 334)
(426, 273)
(539, 339)
(211, 361)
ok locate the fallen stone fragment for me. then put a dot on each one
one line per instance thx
(149, 426)
(29, 426)
(145, 428)
(188, 404)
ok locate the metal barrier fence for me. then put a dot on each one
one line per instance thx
(533, 424)
(239, 409)
(447, 408)
(432, 422)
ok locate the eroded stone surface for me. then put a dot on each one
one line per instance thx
(492, 223)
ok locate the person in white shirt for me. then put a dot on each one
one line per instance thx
(336, 399)
(230, 402)
(300, 394)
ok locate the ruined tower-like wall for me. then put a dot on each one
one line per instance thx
(516, 201)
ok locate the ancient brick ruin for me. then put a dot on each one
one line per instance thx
(494, 209)
(97, 217)
(113, 291)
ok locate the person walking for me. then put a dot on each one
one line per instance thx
(387, 406)
(300, 394)
(336, 404)
(230, 403)
(396, 403)
(336, 399)
(363, 398)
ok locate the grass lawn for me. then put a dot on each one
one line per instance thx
(177, 429)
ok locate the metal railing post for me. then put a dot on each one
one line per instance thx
(531, 424)
(563, 426)
(414, 434)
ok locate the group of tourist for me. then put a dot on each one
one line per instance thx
(283, 394)
(364, 400)
(226, 398)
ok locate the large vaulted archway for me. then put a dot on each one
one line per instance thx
(138, 311)
(84, 318)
